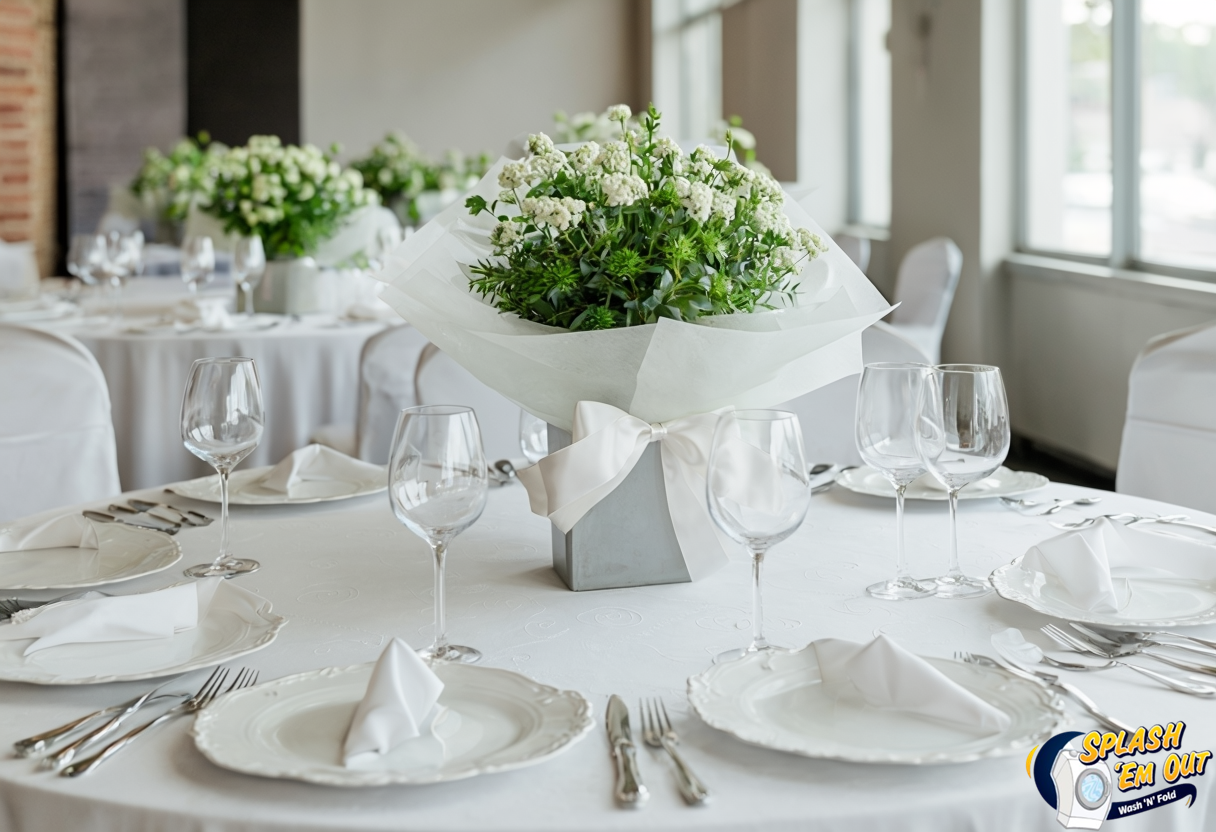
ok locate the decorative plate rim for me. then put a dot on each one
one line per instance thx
(125, 529)
(1042, 481)
(236, 498)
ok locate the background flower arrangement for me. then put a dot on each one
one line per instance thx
(168, 185)
(293, 197)
(633, 231)
(400, 172)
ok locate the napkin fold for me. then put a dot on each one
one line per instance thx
(316, 463)
(886, 676)
(149, 615)
(63, 531)
(400, 700)
(210, 314)
(1079, 562)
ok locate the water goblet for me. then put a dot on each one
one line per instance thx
(758, 489)
(86, 257)
(887, 402)
(962, 434)
(222, 422)
(248, 266)
(533, 437)
(437, 483)
(198, 262)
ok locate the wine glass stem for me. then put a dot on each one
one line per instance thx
(901, 556)
(441, 627)
(248, 290)
(954, 571)
(758, 640)
(223, 555)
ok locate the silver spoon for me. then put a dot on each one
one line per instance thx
(102, 517)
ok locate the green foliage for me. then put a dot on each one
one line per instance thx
(399, 171)
(171, 184)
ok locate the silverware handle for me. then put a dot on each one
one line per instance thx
(34, 744)
(630, 792)
(85, 766)
(1196, 639)
(1176, 684)
(691, 788)
(1094, 711)
(1190, 667)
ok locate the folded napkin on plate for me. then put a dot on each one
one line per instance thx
(886, 676)
(64, 531)
(400, 702)
(317, 462)
(149, 615)
(207, 313)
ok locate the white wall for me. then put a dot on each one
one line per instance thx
(458, 73)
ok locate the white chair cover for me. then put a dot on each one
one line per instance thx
(56, 438)
(440, 380)
(1169, 436)
(828, 415)
(924, 290)
(857, 248)
(18, 271)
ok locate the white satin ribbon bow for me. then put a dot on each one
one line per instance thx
(606, 443)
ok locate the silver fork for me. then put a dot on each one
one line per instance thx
(1100, 645)
(1142, 635)
(206, 694)
(1055, 505)
(658, 733)
(1065, 640)
(1052, 681)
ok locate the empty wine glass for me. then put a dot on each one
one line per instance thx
(437, 488)
(533, 437)
(962, 434)
(86, 257)
(758, 489)
(887, 402)
(221, 424)
(198, 262)
(248, 265)
(124, 259)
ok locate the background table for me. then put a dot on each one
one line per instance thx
(349, 577)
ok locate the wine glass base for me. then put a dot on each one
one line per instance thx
(225, 569)
(901, 589)
(961, 586)
(451, 653)
(738, 653)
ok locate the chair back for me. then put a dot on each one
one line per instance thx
(857, 248)
(1169, 434)
(440, 380)
(924, 290)
(56, 434)
(829, 415)
(386, 387)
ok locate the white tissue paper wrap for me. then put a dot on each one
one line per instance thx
(1093, 565)
(886, 676)
(64, 531)
(400, 700)
(149, 615)
(316, 463)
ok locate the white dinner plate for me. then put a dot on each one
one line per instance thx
(1154, 601)
(237, 623)
(245, 489)
(31, 311)
(123, 552)
(776, 701)
(1002, 483)
(294, 727)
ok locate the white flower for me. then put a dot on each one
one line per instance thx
(623, 189)
(770, 217)
(703, 152)
(724, 206)
(683, 186)
(784, 258)
(699, 202)
(769, 189)
(584, 157)
(677, 166)
(664, 147)
(507, 197)
(702, 168)
(540, 144)
(385, 176)
(545, 167)
(513, 175)
(307, 191)
(504, 234)
(615, 158)
(619, 112)
(545, 210)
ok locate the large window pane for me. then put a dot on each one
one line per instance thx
(1068, 151)
(873, 142)
(1178, 132)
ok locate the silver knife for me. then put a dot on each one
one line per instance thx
(630, 793)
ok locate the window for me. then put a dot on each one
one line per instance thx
(688, 66)
(869, 113)
(1119, 131)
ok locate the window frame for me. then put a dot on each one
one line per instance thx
(1125, 151)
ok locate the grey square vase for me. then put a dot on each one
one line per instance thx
(627, 538)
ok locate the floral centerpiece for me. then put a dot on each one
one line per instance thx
(626, 292)
(167, 185)
(585, 127)
(400, 173)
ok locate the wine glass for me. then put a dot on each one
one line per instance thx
(222, 422)
(437, 483)
(962, 434)
(248, 265)
(86, 257)
(198, 262)
(124, 258)
(758, 489)
(887, 402)
(533, 437)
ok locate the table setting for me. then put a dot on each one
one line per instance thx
(661, 615)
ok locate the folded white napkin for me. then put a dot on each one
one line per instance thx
(317, 463)
(64, 531)
(208, 313)
(150, 615)
(400, 702)
(886, 676)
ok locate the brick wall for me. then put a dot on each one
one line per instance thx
(27, 125)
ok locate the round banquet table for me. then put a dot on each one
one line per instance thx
(349, 577)
(308, 367)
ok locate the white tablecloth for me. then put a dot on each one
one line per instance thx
(309, 371)
(349, 577)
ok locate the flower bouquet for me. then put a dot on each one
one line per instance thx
(625, 292)
(167, 186)
(413, 185)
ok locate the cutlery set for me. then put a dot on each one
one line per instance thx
(63, 759)
(1041, 508)
(657, 733)
(143, 514)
